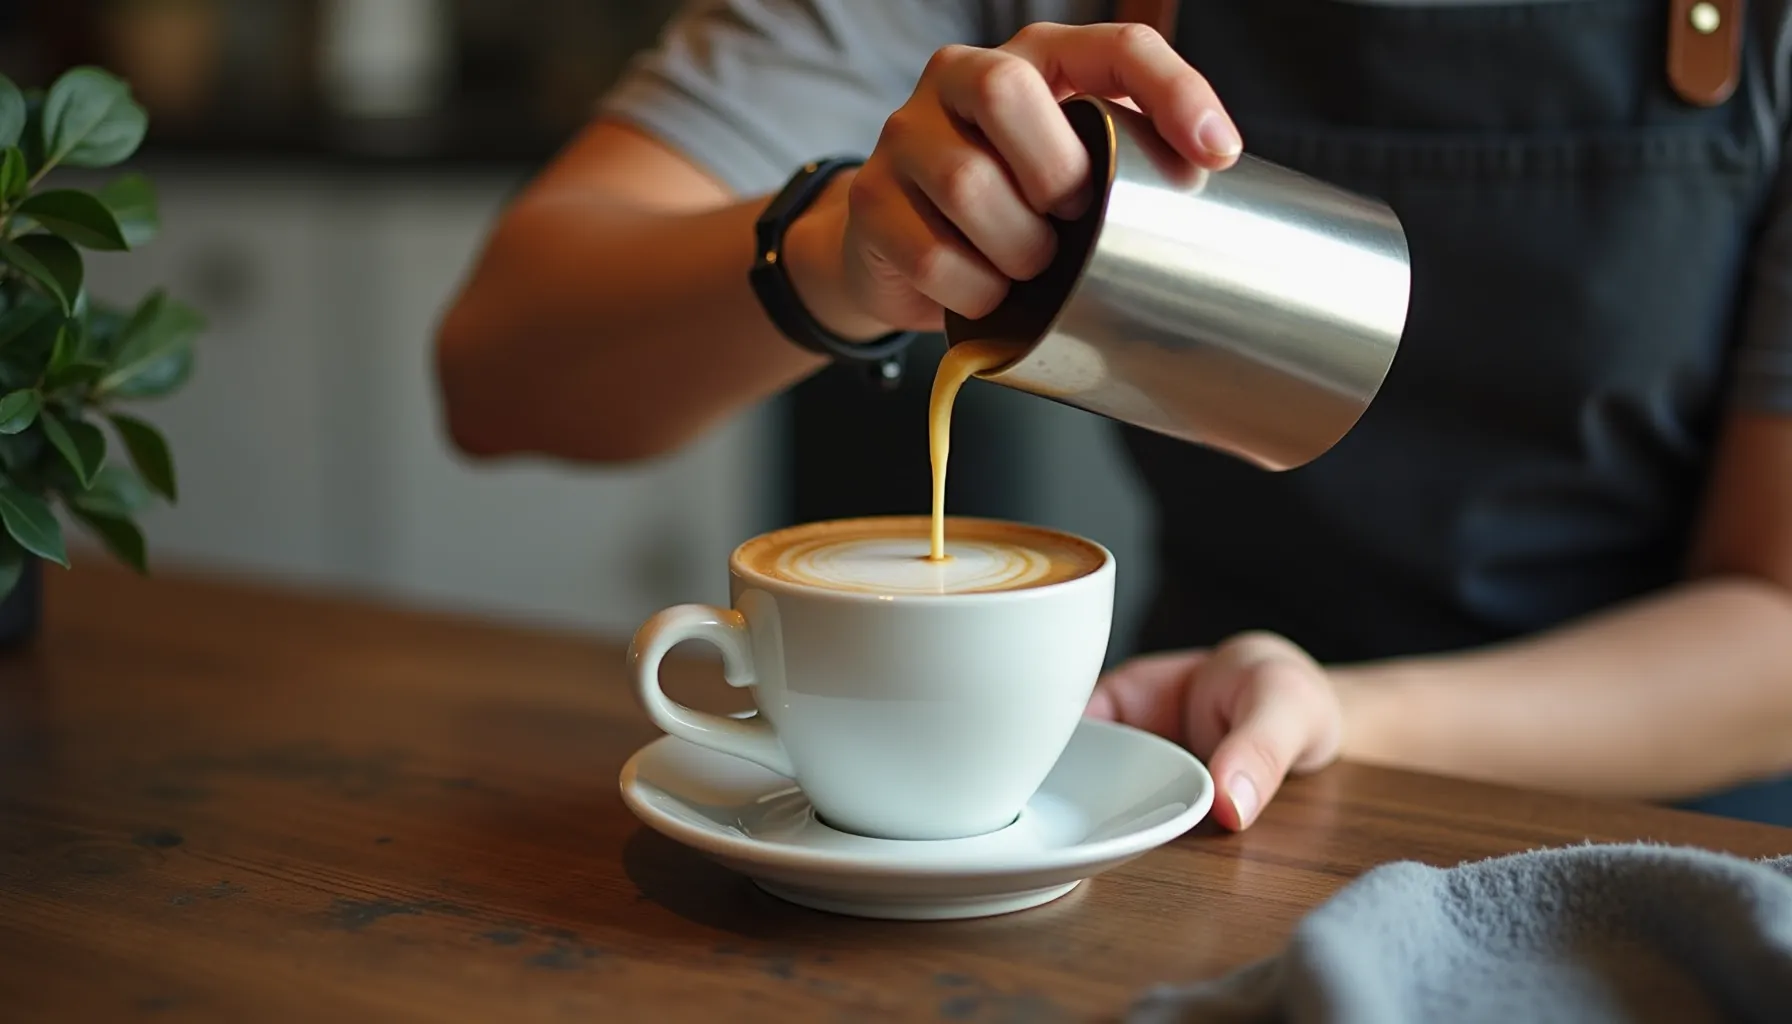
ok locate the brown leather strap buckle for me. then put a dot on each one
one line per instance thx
(1705, 49)
(1159, 14)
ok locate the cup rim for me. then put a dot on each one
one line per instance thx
(1033, 593)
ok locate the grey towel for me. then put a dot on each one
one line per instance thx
(1584, 933)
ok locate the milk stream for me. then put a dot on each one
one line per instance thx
(960, 363)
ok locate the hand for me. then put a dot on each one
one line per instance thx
(1254, 709)
(951, 205)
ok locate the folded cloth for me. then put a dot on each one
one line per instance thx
(1621, 932)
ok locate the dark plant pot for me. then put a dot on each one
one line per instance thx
(22, 610)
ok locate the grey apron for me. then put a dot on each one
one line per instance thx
(1579, 237)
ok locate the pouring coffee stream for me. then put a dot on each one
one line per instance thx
(960, 363)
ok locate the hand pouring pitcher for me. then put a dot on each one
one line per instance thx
(1253, 310)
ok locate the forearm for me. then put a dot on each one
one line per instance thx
(597, 332)
(1680, 694)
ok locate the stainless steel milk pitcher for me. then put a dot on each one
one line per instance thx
(1253, 310)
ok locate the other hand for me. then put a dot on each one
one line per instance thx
(951, 206)
(1255, 708)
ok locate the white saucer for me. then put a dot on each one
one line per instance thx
(1115, 793)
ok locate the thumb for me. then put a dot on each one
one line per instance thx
(1146, 692)
(1249, 764)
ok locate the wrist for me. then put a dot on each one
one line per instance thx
(814, 261)
(1370, 706)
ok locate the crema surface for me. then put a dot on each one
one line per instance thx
(891, 555)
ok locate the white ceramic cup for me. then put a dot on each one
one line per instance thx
(901, 716)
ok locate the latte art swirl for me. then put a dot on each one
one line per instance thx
(903, 566)
(890, 555)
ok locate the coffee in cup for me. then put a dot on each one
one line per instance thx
(892, 555)
(909, 697)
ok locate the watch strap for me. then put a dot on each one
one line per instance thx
(778, 297)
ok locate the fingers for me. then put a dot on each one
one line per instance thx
(1013, 106)
(911, 245)
(952, 205)
(1134, 61)
(1254, 708)
(1147, 693)
(967, 182)
(1270, 728)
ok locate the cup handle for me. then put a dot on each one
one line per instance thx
(751, 738)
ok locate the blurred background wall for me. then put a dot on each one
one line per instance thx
(328, 169)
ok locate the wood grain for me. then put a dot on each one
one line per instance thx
(221, 802)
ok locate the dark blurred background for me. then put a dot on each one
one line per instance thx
(480, 81)
(328, 168)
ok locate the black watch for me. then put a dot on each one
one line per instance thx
(883, 357)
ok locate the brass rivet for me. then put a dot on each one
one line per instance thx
(1705, 18)
(772, 256)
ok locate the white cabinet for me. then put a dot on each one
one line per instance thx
(607, 546)
(310, 445)
(245, 430)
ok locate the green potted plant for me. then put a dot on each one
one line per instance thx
(71, 365)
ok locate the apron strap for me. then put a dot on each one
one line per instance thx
(1704, 49)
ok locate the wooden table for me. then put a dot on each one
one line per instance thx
(223, 802)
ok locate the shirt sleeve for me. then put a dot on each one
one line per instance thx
(750, 89)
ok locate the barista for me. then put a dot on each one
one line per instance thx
(1556, 552)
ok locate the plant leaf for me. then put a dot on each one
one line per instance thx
(160, 377)
(132, 200)
(90, 119)
(29, 519)
(84, 372)
(121, 537)
(71, 361)
(83, 445)
(12, 112)
(31, 140)
(62, 259)
(18, 452)
(12, 564)
(64, 352)
(51, 261)
(77, 216)
(116, 492)
(105, 328)
(25, 356)
(13, 175)
(155, 355)
(149, 453)
(17, 411)
(23, 316)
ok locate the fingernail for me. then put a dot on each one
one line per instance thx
(1217, 136)
(1244, 797)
